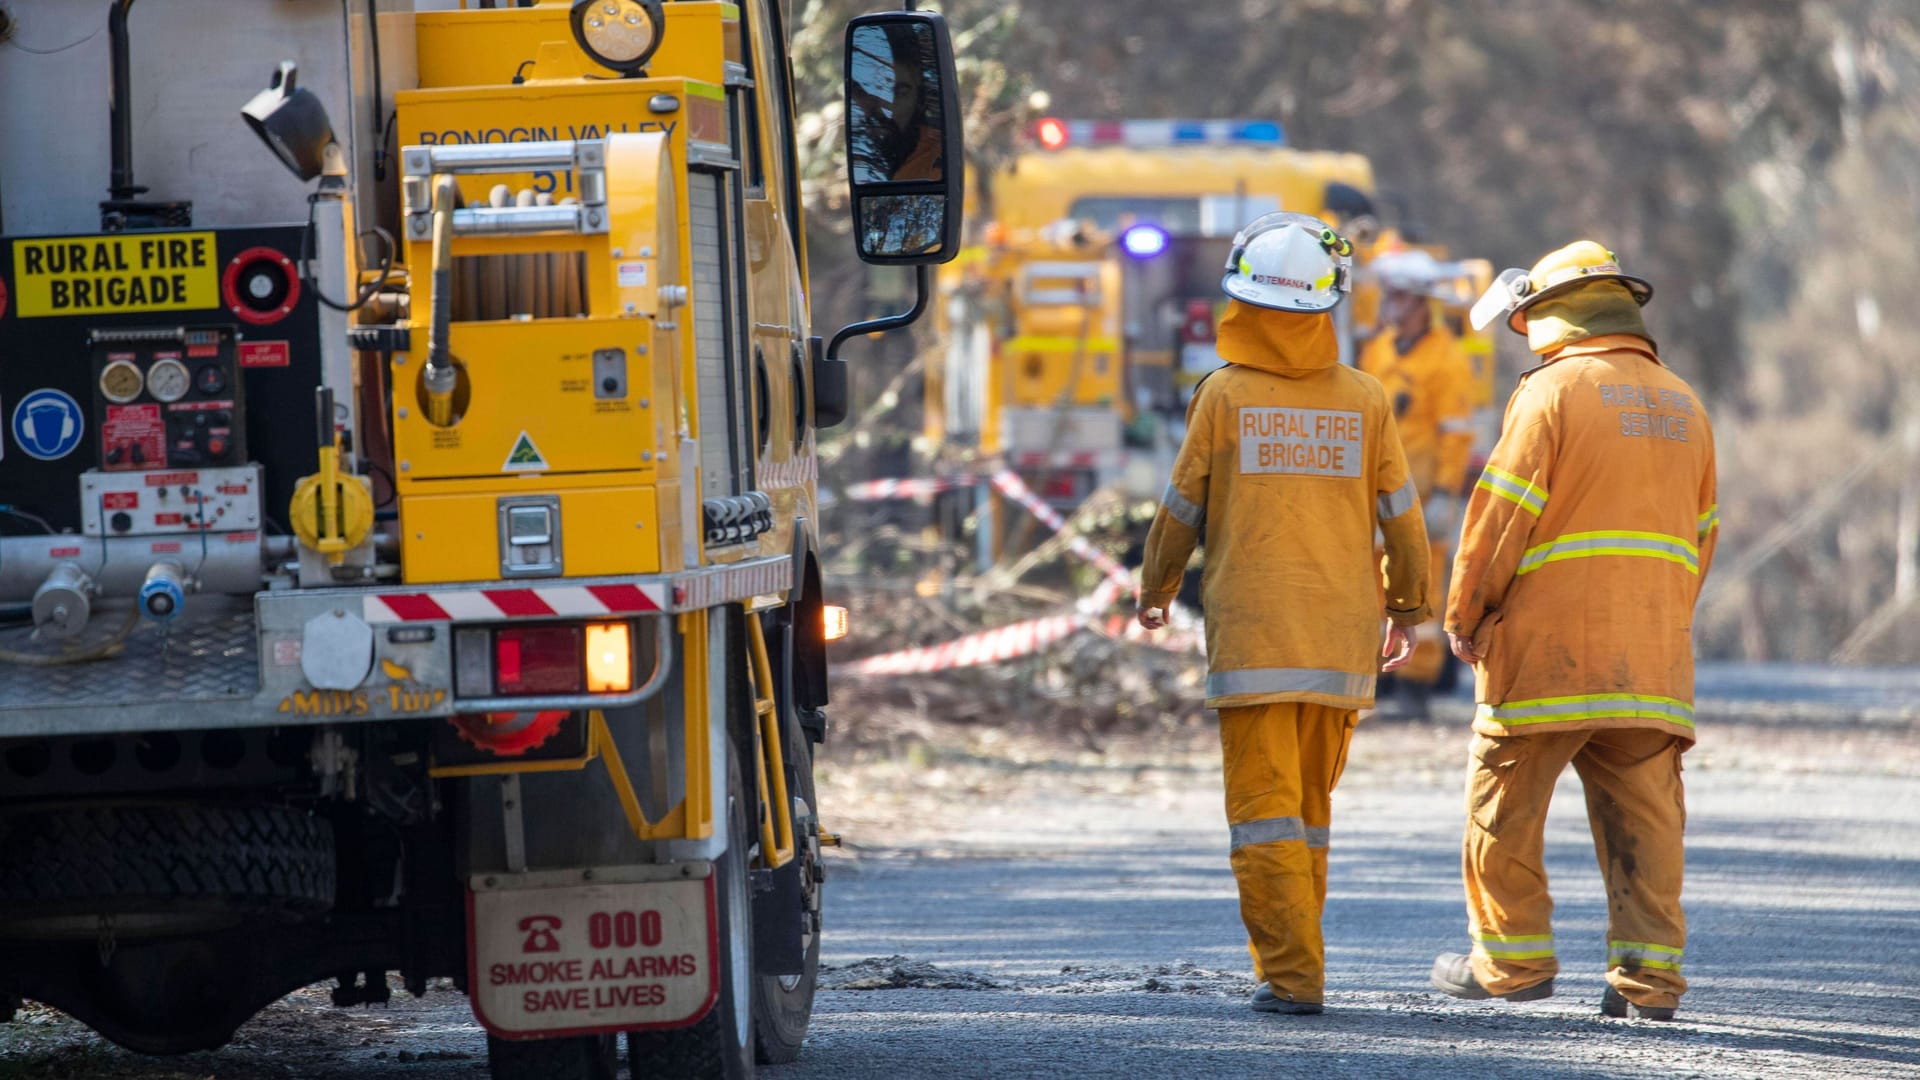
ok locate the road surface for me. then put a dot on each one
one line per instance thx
(1008, 908)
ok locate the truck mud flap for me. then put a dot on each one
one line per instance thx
(590, 959)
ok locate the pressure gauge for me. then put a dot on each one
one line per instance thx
(210, 380)
(120, 382)
(167, 380)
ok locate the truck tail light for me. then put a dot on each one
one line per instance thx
(538, 660)
(609, 658)
(837, 622)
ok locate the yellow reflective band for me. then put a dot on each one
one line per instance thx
(1587, 545)
(1709, 520)
(1514, 489)
(1515, 946)
(1643, 954)
(1560, 710)
(1035, 343)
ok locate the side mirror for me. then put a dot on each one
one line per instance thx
(905, 143)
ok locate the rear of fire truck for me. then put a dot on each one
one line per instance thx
(407, 526)
(1080, 322)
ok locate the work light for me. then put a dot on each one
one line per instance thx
(292, 122)
(619, 34)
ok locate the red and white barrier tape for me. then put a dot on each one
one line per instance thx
(985, 647)
(1016, 489)
(909, 488)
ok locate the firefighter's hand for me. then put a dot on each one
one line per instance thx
(1152, 618)
(1462, 646)
(1399, 647)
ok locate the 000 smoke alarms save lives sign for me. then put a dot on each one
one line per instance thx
(593, 958)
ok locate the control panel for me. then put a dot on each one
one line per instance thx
(167, 398)
(165, 503)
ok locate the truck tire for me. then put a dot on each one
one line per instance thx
(720, 1044)
(586, 1057)
(159, 869)
(783, 1004)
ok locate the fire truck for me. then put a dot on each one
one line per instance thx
(408, 547)
(1078, 323)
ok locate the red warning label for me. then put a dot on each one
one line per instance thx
(120, 500)
(132, 437)
(593, 958)
(265, 354)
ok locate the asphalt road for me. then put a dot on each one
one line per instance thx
(1007, 908)
(1109, 926)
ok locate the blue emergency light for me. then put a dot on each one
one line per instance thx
(1055, 134)
(1144, 241)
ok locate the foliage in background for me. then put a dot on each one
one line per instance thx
(1759, 162)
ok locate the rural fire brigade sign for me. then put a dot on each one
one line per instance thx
(593, 958)
(81, 275)
(1302, 442)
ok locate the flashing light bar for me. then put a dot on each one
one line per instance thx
(1054, 133)
(1144, 241)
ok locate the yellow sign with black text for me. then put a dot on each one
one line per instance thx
(85, 275)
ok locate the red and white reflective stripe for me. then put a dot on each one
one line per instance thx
(492, 605)
(724, 584)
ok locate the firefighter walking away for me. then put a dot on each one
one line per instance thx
(1290, 463)
(1583, 550)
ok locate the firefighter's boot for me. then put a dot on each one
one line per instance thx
(1618, 1007)
(1453, 976)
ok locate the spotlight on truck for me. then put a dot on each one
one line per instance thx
(293, 123)
(620, 35)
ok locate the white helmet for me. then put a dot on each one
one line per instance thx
(1289, 262)
(1418, 272)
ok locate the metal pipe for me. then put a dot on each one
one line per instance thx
(440, 376)
(500, 157)
(120, 104)
(510, 220)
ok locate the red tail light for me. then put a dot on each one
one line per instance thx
(539, 660)
(1197, 328)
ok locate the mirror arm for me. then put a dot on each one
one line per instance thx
(923, 279)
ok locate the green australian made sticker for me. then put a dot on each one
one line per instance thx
(524, 457)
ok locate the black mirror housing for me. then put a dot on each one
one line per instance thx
(906, 145)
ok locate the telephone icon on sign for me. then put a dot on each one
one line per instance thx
(540, 937)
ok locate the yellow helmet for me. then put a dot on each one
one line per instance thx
(1579, 263)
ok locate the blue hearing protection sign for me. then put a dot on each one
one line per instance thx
(47, 424)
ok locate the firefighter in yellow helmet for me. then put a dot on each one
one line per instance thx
(1429, 380)
(1289, 464)
(1584, 547)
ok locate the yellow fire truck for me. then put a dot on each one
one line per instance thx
(1079, 323)
(409, 564)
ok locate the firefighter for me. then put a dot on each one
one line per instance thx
(1585, 543)
(1429, 381)
(1289, 464)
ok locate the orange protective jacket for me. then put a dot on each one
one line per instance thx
(1431, 388)
(1585, 544)
(1290, 462)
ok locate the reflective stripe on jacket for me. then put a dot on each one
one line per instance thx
(1585, 544)
(1290, 463)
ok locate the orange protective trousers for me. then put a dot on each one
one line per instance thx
(1281, 762)
(1636, 807)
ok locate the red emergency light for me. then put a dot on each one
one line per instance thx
(1052, 132)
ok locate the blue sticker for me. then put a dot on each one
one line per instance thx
(47, 424)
